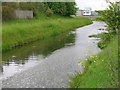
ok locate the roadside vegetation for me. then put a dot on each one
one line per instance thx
(102, 70)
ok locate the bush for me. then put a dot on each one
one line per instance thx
(7, 13)
(98, 18)
(105, 39)
(112, 17)
(48, 12)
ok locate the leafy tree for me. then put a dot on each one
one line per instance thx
(54, 6)
(70, 10)
(40, 6)
(62, 8)
(112, 17)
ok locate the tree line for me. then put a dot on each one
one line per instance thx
(47, 8)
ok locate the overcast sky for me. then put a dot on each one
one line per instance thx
(94, 4)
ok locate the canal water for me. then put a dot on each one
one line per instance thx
(51, 62)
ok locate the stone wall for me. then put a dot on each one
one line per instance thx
(25, 14)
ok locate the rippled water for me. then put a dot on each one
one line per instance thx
(49, 62)
(28, 56)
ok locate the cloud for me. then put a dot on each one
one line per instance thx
(94, 4)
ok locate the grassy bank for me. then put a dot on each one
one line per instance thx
(100, 71)
(19, 32)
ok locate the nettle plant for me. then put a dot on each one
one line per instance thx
(112, 17)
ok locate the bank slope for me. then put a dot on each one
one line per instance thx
(17, 33)
(101, 70)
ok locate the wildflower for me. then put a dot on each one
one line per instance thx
(91, 56)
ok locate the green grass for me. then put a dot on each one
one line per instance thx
(105, 39)
(100, 35)
(19, 32)
(100, 71)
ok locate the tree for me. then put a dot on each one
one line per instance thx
(63, 8)
(70, 10)
(112, 17)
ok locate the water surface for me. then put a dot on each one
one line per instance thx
(49, 63)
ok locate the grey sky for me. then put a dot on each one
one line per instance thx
(94, 4)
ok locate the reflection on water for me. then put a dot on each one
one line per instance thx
(52, 63)
(27, 56)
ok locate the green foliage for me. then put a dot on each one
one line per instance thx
(40, 6)
(71, 10)
(7, 13)
(112, 17)
(63, 8)
(48, 12)
(57, 7)
(99, 18)
(101, 70)
(105, 39)
(46, 8)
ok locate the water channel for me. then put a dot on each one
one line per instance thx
(49, 63)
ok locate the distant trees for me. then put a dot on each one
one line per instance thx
(47, 8)
(62, 8)
(70, 10)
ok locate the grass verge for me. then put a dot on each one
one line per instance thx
(19, 32)
(100, 71)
